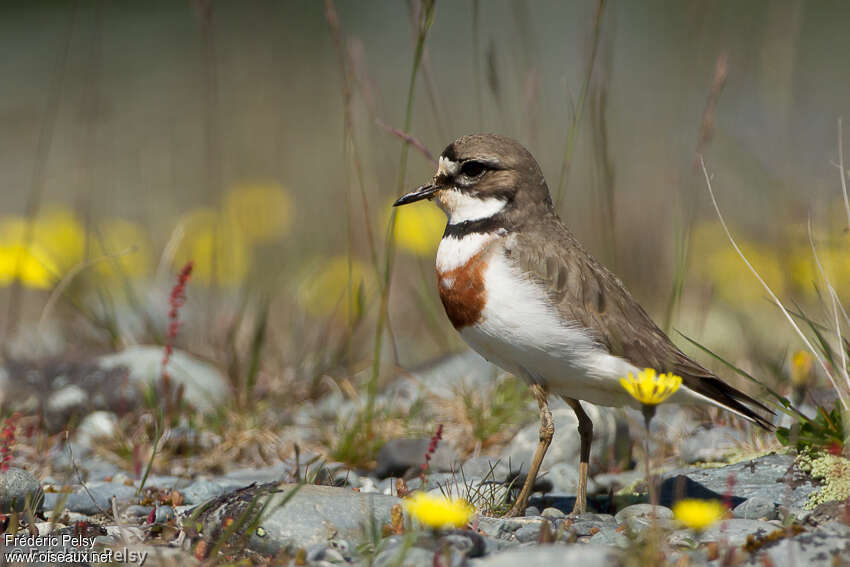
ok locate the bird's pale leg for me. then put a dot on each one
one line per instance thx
(585, 432)
(547, 431)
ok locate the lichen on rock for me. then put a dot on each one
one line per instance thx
(833, 471)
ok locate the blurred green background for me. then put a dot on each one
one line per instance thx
(139, 135)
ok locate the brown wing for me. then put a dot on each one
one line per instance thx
(585, 292)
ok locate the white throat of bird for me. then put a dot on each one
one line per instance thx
(462, 207)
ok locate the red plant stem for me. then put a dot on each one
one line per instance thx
(7, 439)
(175, 302)
(432, 448)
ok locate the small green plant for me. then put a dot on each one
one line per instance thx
(824, 431)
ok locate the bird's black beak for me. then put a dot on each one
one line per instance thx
(424, 192)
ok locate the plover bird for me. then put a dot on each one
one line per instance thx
(523, 292)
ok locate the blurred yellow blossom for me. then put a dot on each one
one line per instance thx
(801, 368)
(39, 252)
(61, 235)
(128, 244)
(716, 262)
(438, 512)
(327, 289)
(418, 227)
(261, 212)
(212, 244)
(835, 260)
(649, 387)
(698, 514)
(28, 264)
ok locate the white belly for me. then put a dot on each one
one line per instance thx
(521, 333)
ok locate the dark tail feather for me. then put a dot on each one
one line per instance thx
(729, 397)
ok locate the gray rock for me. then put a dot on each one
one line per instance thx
(825, 546)
(616, 481)
(498, 527)
(166, 481)
(532, 511)
(98, 498)
(309, 515)
(612, 538)
(205, 387)
(565, 445)
(529, 532)
(734, 532)
(564, 479)
(96, 426)
(487, 468)
(202, 490)
(19, 488)
(772, 478)
(588, 555)
(642, 511)
(591, 524)
(552, 514)
(398, 456)
(711, 444)
(756, 508)
(399, 557)
(272, 473)
(478, 493)
(443, 378)
(163, 515)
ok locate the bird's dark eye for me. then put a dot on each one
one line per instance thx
(472, 168)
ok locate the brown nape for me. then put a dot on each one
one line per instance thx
(463, 292)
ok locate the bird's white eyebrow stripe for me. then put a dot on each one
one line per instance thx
(447, 167)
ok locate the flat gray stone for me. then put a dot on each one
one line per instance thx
(312, 515)
(552, 514)
(586, 555)
(564, 478)
(487, 468)
(399, 557)
(202, 490)
(825, 546)
(98, 498)
(735, 531)
(443, 377)
(711, 444)
(612, 538)
(205, 387)
(529, 533)
(19, 487)
(591, 524)
(756, 508)
(772, 478)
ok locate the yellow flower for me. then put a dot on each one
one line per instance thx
(328, 289)
(698, 514)
(418, 227)
(801, 368)
(30, 265)
(437, 512)
(717, 262)
(261, 212)
(61, 235)
(128, 243)
(650, 388)
(42, 250)
(212, 244)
